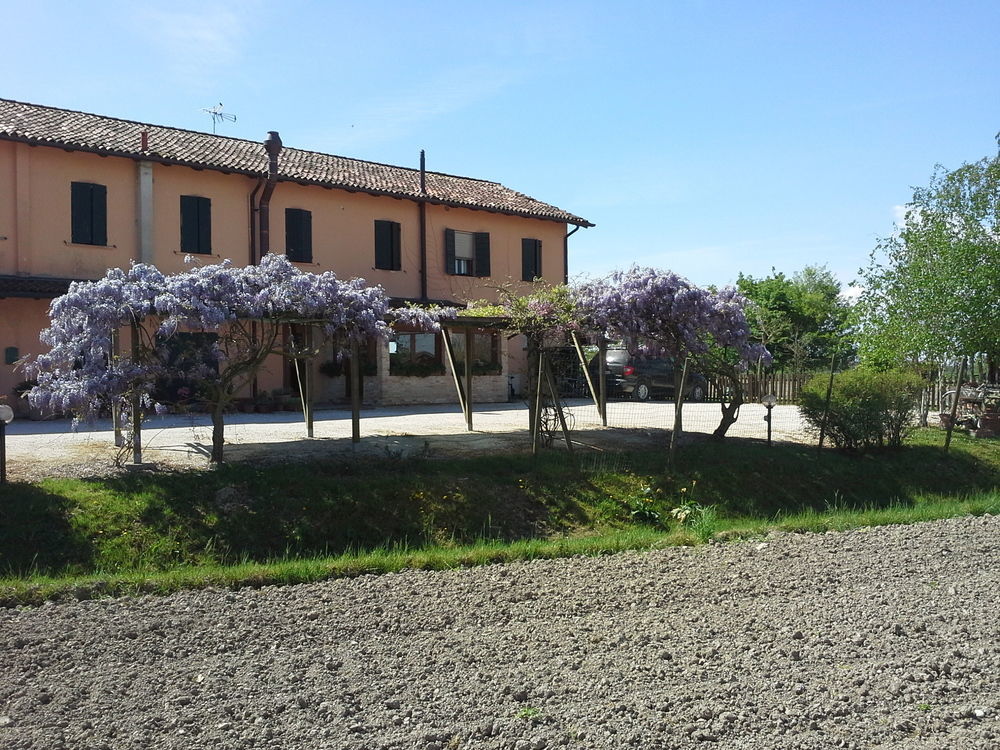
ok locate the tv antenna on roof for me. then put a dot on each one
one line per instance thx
(218, 115)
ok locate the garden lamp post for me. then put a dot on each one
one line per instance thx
(769, 402)
(6, 417)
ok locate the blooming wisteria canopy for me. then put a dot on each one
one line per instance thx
(81, 371)
(660, 313)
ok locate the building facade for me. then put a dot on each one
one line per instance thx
(81, 193)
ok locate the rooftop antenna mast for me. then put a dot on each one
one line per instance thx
(218, 115)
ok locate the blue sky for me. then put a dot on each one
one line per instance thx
(710, 138)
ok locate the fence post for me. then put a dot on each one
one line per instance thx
(954, 405)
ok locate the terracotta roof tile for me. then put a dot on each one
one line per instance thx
(32, 123)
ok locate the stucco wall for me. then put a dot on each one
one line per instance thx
(35, 218)
(21, 320)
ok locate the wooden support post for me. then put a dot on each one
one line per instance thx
(449, 354)
(136, 405)
(602, 354)
(586, 372)
(954, 406)
(557, 405)
(536, 417)
(355, 392)
(310, 380)
(468, 379)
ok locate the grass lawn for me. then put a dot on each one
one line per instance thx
(253, 525)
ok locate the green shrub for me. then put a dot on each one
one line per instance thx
(868, 409)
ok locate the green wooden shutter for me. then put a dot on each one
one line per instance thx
(383, 245)
(293, 235)
(298, 235)
(482, 253)
(449, 251)
(99, 215)
(527, 260)
(80, 213)
(397, 247)
(307, 236)
(204, 225)
(189, 224)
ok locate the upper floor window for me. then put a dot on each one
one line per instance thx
(89, 213)
(466, 253)
(196, 224)
(298, 235)
(531, 259)
(387, 246)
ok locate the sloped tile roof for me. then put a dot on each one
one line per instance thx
(49, 126)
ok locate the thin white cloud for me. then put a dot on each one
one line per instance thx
(388, 116)
(199, 42)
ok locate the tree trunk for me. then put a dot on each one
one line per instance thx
(218, 433)
(730, 410)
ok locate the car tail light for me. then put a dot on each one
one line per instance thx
(629, 370)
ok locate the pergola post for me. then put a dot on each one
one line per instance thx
(355, 392)
(309, 379)
(136, 405)
(586, 371)
(602, 354)
(468, 378)
(463, 400)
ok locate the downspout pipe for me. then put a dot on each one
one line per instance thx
(253, 221)
(273, 147)
(423, 227)
(566, 253)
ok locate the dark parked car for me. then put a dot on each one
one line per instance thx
(643, 378)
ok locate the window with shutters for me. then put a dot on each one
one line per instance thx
(89, 214)
(531, 259)
(467, 253)
(196, 224)
(387, 246)
(298, 235)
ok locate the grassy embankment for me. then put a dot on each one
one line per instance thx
(252, 525)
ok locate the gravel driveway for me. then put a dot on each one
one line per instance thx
(884, 637)
(40, 449)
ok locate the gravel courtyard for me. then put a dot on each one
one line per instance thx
(39, 449)
(886, 637)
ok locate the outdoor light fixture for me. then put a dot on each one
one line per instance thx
(6, 417)
(769, 401)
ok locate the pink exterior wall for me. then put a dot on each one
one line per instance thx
(35, 216)
(8, 208)
(21, 320)
(344, 241)
(229, 194)
(40, 194)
